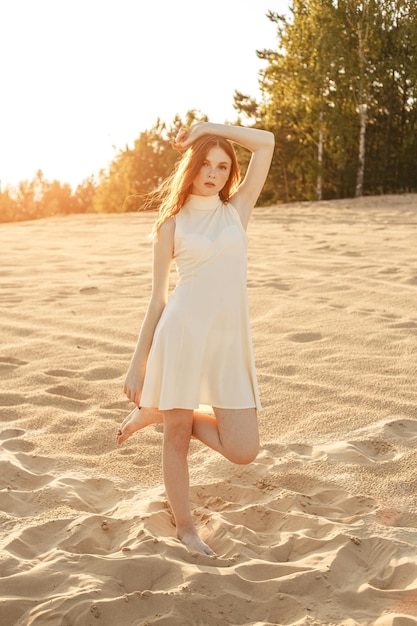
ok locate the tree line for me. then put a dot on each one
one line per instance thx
(338, 92)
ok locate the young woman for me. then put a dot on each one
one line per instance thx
(195, 347)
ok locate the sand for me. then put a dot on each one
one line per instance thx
(320, 529)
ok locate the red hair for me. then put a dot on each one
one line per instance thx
(174, 191)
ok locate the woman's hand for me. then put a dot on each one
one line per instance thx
(185, 137)
(134, 382)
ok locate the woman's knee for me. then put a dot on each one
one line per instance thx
(244, 454)
(238, 429)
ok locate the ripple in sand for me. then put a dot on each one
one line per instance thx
(12, 399)
(74, 393)
(102, 373)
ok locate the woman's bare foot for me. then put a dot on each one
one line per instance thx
(136, 420)
(193, 542)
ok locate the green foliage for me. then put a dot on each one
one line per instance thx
(133, 173)
(137, 171)
(339, 92)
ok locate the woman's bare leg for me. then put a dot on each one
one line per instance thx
(178, 426)
(136, 420)
(231, 432)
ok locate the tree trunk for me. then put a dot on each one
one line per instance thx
(363, 118)
(320, 160)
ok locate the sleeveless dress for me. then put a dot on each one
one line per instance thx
(201, 352)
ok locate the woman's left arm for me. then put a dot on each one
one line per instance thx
(259, 142)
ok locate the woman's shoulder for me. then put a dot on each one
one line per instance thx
(166, 232)
(168, 226)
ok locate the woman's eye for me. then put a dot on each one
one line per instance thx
(223, 168)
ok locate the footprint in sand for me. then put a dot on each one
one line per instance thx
(68, 392)
(11, 441)
(306, 451)
(62, 373)
(11, 433)
(34, 541)
(8, 364)
(376, 449)
(389, 270)
(16, 477)
(405, 429)
(18, 445)
(304, 337)
(360, 452)
(339, 505)
(102, 373)
(20, 480)
(94, 534)
(88, 291)
(378, 564)
(324, 501)
(276, 284)
(404, 325)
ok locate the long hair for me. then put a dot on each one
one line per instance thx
(172, 194)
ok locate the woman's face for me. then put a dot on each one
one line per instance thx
(213, 174)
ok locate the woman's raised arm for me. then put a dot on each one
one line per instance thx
(259, 142)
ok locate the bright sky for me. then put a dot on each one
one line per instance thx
(81, 79)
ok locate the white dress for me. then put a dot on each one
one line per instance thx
(202, 352)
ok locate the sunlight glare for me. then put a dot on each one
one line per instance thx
(83, 79)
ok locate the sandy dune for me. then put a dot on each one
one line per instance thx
(320, 530)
